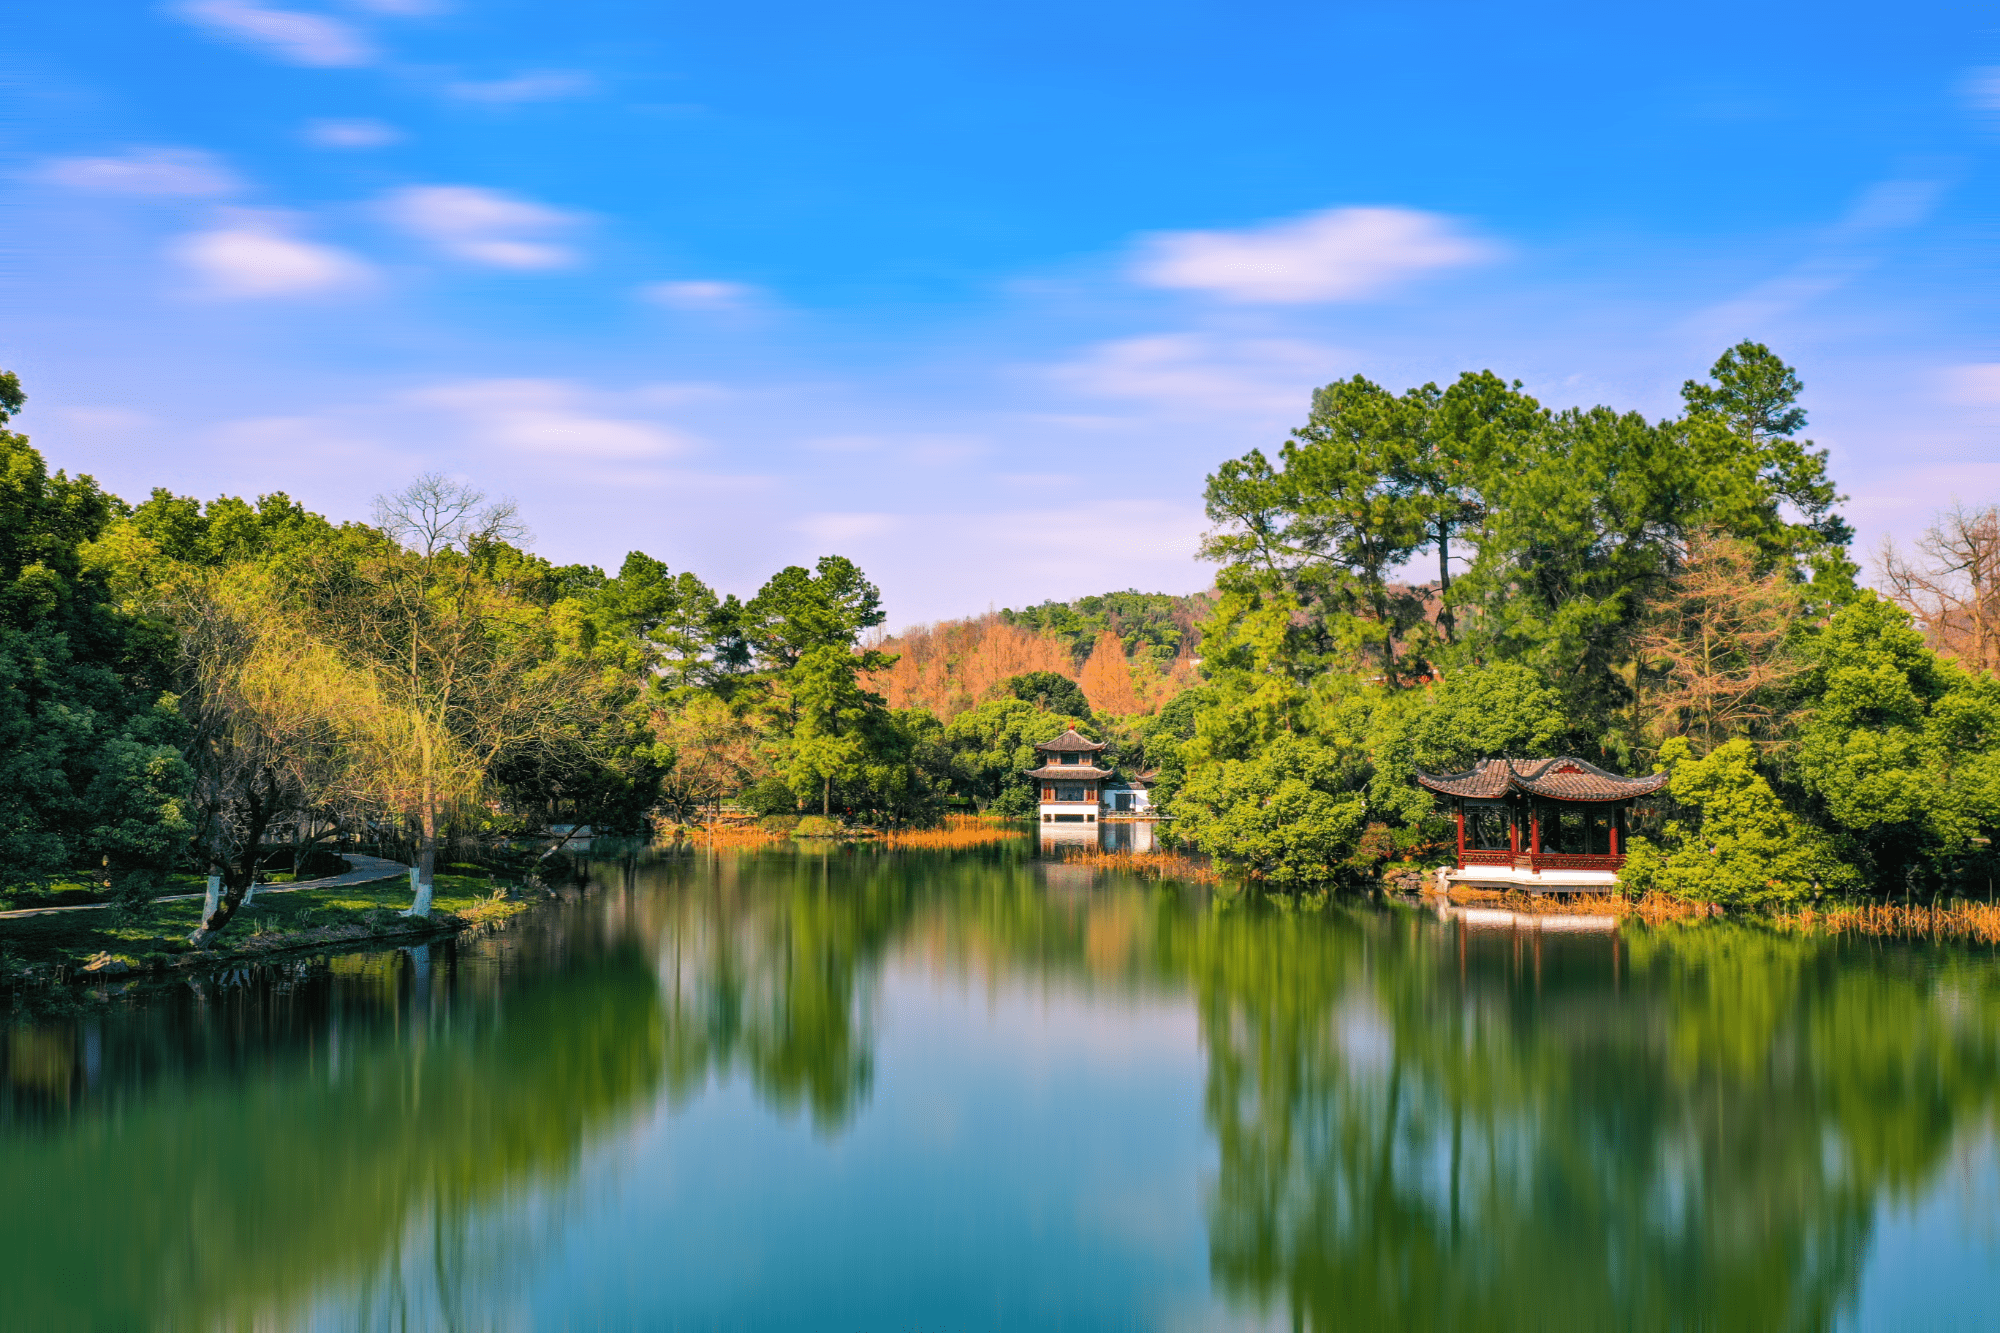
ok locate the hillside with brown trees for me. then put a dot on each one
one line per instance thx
(953, 665)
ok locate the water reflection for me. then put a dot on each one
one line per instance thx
(1431, 1123)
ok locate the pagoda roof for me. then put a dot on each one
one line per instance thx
(1072, 740)
(1073, 772)
(1562, 779)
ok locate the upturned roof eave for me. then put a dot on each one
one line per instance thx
(1576, 781)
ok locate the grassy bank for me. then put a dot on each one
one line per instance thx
(155, 938)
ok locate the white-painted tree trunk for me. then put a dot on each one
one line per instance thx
(423, 889)
(213, 900)
(251, 892)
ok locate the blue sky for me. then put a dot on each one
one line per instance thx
(975, 295)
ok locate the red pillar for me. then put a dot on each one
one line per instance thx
(1461, 837)
(1615, 813)
(1534, 831)
(1514, 832)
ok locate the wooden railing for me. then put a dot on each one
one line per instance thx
(1576, 861)
(1544, 861)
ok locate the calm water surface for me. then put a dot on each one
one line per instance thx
(854, 1091)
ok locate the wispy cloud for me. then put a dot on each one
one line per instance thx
(725, 297)
(402, 9)
(313, 40)
(351, 133)
(533, 86)
(1181, 372)
(183, 172)
(1844, 251)
(483, 226)
(1982, 92)
(1342, 254)
(553, 419)
(256, 256)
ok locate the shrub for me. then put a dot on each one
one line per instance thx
(1290, 816)
(818, 826)
(1742, 847)
(770, 796)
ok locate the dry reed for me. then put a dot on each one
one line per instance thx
(1157, 865)
(1651, 908)
(726, 835)
(1954, 920)
(958, 831)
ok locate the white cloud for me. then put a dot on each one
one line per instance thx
(1982, 90)
(255, 256)
(1343, 254)
(483, 226)
(1190, 372)
(1974, 386)
(540, 85)
(550, 418)
(351, 133)
(148, 171)
(700, 296)
(401, 8)
(295, 38)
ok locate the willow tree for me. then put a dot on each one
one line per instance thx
(261, 702)
(459, 676)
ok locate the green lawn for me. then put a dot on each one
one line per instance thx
(75, 893)
(158, 935)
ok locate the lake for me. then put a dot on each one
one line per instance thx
(848, 1089)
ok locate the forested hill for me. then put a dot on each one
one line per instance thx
(1131, 651)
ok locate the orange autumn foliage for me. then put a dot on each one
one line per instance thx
(1107, 679)
(952, 665)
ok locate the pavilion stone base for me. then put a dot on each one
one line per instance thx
(1530, 881)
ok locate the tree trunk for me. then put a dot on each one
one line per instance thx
(1446, 623)
(229, 882)
(826, 796)
(426, 859)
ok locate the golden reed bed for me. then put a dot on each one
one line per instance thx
(1979, 922)
(1158, 865)
(1958, 920)
(958, 831)
(1652, 907)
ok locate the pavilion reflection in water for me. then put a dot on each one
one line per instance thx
(1110, 835)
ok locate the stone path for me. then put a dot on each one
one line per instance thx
(366, 870)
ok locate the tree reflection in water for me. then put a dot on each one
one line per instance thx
(225, 1150)
(1691, 1132)
(1414, 1123)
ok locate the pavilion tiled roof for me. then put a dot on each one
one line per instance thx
(1072, 772)
(1071, 740)
(1557, 779)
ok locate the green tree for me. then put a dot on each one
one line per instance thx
(1502, 711)
(993, 744)
(1751, 464)
(1732, 841)
(686, 631)
(1332, 520)
(836, 719)
(1900, 750)
(799, 610)
(1048, 691)
(90, 765)
(1289, 817)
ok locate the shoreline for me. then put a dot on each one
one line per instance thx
(61, 949)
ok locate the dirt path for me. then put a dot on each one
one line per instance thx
(366, 870)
